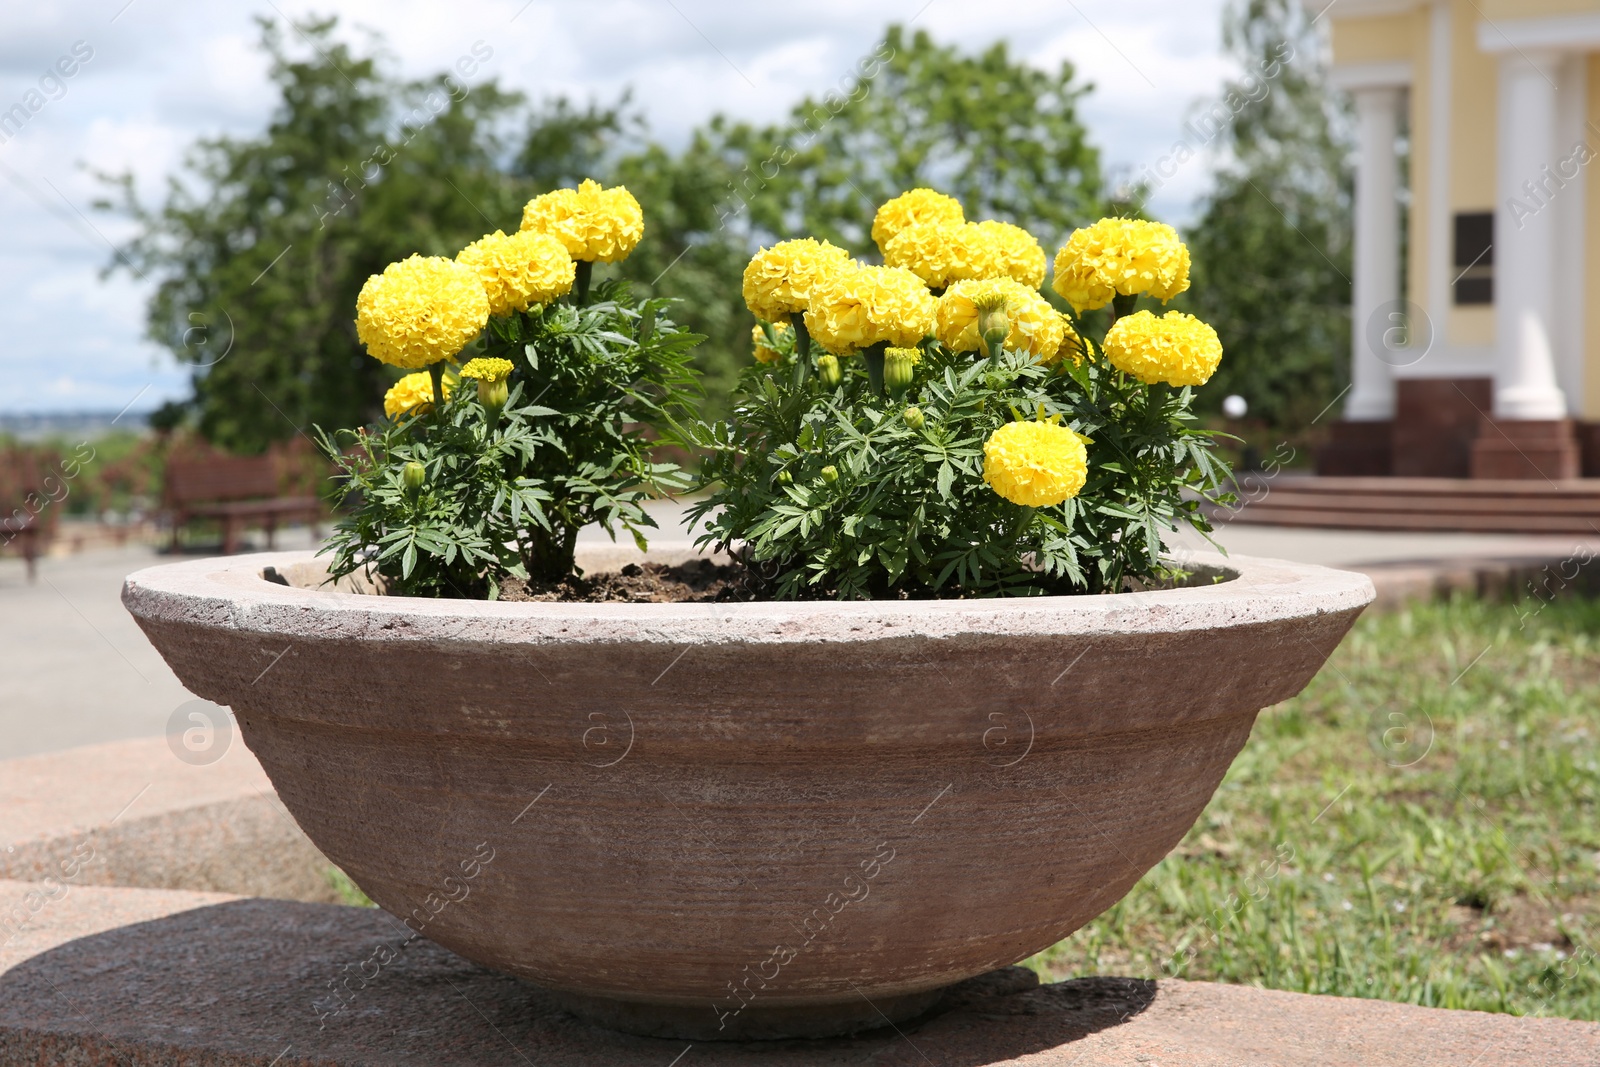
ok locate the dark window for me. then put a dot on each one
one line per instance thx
(1474, 257)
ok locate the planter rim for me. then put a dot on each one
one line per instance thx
(228, 592)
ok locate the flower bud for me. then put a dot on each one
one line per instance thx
(993, 327)
(413, 476)
(492, 395)
(828, 371)
(785, 478)
(913, 417)
(830, 474)
(899, 367)
(993, 324)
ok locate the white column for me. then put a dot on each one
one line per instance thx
(1525, 240)
(1377, 251)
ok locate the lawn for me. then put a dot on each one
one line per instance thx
(1419, 825)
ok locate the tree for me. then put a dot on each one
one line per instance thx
(1272, 246)
(261, 247)
(1003, 137)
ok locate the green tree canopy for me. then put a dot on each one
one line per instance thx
(1002, 137)
(1271, 248)
(262, 243)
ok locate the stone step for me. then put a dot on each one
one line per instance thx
(1400, 519)
(152, 812)
(1418, 504)
(139, 976)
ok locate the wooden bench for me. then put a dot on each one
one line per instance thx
(234, 490)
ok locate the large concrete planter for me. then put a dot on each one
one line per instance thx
(744, 819)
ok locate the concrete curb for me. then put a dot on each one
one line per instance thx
(148, 977)
(132, 813)
(1499, 578)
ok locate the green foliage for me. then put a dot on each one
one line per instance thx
(1003, 136)
(358, 169)
(505, 497)
(1272, 246)
(1000, 135)
(1420, 825)
(834, 493)
(260, 249)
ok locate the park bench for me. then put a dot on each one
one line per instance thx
(236, 491)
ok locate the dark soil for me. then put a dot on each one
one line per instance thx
(696, 582)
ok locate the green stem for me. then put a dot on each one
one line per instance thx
(802, 340)
(1122, 305)
(581, 285)
(436, 372)
(874, 359)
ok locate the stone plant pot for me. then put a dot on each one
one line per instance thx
(752, 819)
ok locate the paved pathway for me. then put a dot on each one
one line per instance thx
(76, 670)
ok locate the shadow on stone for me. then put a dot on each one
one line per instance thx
(275, 982)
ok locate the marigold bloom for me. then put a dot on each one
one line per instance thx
(1036, 327)
(412, 395)
(910, 208)
(488, 369)
(1121, 256)
(855, 309)
(1035, 464)
(521, 270)
(1177, 349)
(1017, 254)
(420, 311)
(779, 280)
(595, 224)
(942, 254)
(764, 352)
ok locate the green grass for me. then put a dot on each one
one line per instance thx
(345, 889)
(1419, 825)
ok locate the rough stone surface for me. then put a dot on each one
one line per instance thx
(761, 804)
(142, 978)
(133, 813)
(1503, 578)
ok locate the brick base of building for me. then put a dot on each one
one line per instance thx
(1357, 450)
(1526, 448)
(1436, 421)
(1442, 429)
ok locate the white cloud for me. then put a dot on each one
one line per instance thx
(165, 72)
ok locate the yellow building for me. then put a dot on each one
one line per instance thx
(1484, 359)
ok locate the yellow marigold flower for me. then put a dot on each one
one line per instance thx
(519, 271)
(1035, 464)
(488, 370)
(595, 224)
(1126, 256)
(858, 308)
(421, 310)
(1177, 349)
(941, 254)
(412, 395)
(910, 208)
(779, 280)
(1036, 327)
(764, 352)
(1017, 254)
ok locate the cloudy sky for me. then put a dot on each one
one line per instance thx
(150, 76)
